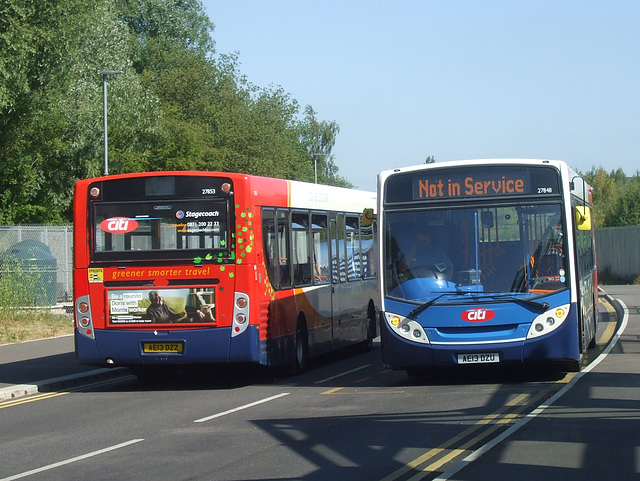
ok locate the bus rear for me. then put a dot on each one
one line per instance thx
(200, 267)
(485, 262)
(155, 270)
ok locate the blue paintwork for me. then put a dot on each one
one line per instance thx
(449, 334)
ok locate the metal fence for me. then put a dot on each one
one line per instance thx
(42, 249)
(50, 251)
(618, 250)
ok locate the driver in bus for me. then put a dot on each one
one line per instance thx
(424, 254)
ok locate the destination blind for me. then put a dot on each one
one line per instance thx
(489, 182)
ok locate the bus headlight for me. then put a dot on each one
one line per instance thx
(548, 321)
(406, 328)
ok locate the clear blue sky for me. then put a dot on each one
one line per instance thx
(406, 79)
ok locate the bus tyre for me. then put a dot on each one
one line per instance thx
(301, 348)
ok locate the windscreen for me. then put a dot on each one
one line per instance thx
(497, 249)
(163, 218)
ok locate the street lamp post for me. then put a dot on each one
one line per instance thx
(315, 166)
(105, 74)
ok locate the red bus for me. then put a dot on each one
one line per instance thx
(177, 268)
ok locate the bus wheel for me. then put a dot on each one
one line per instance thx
(301, 348)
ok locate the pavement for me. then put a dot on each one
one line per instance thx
(44, 365)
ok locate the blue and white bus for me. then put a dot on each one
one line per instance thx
(486, 261)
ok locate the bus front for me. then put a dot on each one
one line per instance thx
(477, 265)
(154, 272)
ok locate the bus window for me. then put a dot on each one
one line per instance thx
(300, 248)
(352, 248)
(270, 245)
(284, 248)
(320, 249)
(275, 232)
(367, 252)
(335, 253)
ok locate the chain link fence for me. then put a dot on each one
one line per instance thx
(44, 251)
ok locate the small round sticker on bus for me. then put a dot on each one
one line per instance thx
(118, 225)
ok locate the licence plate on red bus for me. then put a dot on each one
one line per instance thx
(163, 347)
(478, 358)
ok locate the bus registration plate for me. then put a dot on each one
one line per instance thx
(478, 358)
(163, 347)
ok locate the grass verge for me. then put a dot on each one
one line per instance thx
(20, 324)
(21, 292)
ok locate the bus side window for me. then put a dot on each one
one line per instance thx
(367, 252)
(283, 240)
(270, 246)
(320, 249)
(300, 248)
(352, 248)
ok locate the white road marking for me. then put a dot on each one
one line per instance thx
(72, 460)
(484, 449)
(239, 408)
(342, 374)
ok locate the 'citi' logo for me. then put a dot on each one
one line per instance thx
(478, 314)
(119, 225)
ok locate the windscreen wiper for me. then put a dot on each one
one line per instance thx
(422, 307)
(541, 305)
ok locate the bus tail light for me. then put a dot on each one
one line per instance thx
(84, 323)
(240, 313)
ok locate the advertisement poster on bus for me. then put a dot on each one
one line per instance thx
(161, 306)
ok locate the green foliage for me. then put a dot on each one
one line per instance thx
(616, 197)
(20, 287)
(177, 107)
(319, 137)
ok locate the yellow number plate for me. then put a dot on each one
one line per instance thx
(162, 347)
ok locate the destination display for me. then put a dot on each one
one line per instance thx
(468, 183)
(478, 185)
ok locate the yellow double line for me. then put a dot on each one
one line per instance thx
(30, 399)
(49, 395)
(435, 458)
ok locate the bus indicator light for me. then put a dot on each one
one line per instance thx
(118, 225)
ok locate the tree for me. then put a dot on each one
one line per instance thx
(50, 127)
(319, 137)
(616, 197)
(430, 159)
(177, 106)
